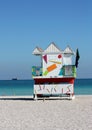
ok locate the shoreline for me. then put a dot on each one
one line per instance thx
(32, 98)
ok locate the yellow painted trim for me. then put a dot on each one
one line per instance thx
(57, 62)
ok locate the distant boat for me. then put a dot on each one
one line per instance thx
(14, 79)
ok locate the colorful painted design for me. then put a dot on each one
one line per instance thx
(61, 72)
(45, 73)
(57, 62)
(62, 90)
(36, 71)
(44, 86)
(49, 69)
(45, 58)
(54, 89)
(69, 70)
(48, 90)
(52, 67)
(51, 90)
(40, 87)
(68, 90)
(59, 56)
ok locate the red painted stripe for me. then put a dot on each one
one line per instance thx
(54, 80)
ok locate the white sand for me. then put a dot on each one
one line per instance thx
(46, 115)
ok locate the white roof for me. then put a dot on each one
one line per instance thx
(37, 51)
(68, 50)
(52, 48)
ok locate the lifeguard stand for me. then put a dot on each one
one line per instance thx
(55, 77)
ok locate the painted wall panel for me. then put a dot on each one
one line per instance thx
(52, 64)
(53, 89)
(67, 59)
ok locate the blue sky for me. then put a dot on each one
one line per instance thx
(25, 24)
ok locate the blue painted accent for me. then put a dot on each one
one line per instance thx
(61, 72)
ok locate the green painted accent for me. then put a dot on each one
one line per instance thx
(73, 69)
(32, 69)
(73, 73)
(45, 73)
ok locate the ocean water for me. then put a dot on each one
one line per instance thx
(16, 87)
(25, 87)
(83, 87)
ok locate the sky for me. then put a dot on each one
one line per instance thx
(25, 24)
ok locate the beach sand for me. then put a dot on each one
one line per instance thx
(46, 115)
